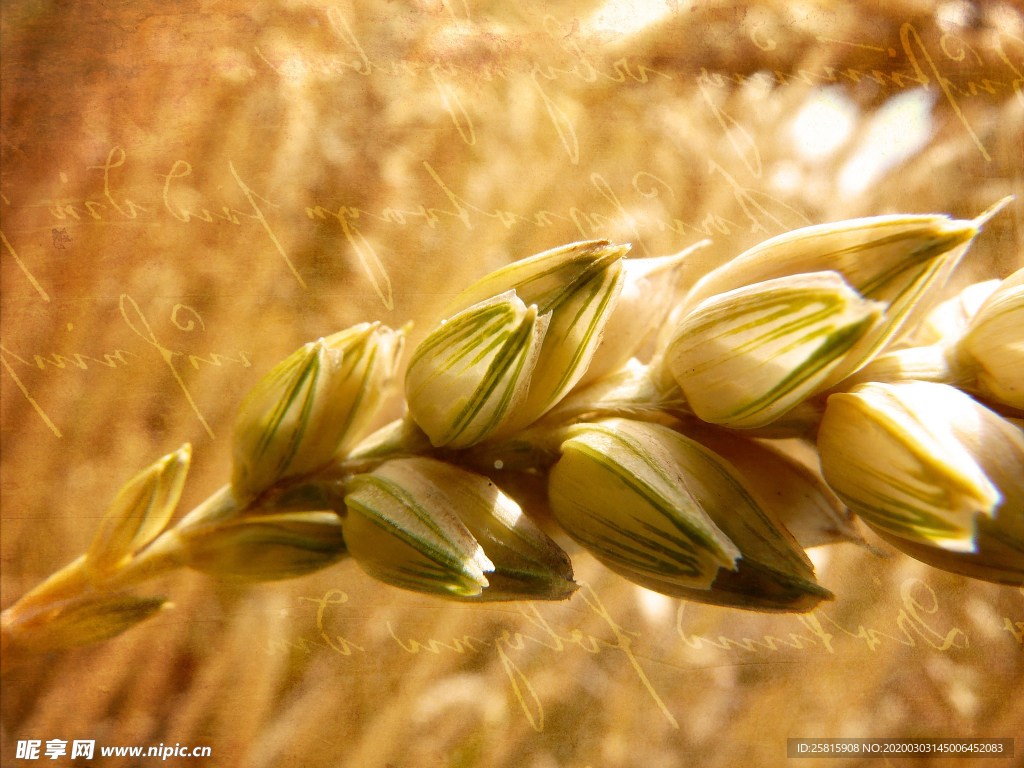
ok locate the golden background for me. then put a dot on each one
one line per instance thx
(191, 190)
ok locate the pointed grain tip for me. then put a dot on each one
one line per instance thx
(992, 210)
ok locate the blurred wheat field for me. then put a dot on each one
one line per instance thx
(192, 190)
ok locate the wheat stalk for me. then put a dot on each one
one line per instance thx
(663, 470)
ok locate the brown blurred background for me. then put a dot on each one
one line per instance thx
(191, 190)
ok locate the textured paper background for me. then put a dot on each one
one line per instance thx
(191, 190)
